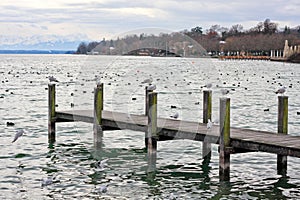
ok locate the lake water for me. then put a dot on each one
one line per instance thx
(181, 172)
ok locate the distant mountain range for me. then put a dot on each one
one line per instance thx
(51, 44)
(37, 51)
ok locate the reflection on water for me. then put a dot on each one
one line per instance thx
(180, 173)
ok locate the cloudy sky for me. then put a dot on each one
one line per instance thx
(95, 19)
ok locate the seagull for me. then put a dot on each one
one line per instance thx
(52, 79)
(102, 189)
(148, 80)
(98, 80)
(151, 87)
(208, 86)
(209, 124)
(47, 181)
(225, 91)
(172, 197)
(281, 90)
(101, 164)
(175, 116)
(18, 134)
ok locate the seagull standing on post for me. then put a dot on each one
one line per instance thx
(151, 87)
(52, 79)
(224, 91)
(281, 90)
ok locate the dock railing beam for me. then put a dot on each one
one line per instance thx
(207, 110)
(98, 108)
(51, 113)
(282, 128)
(152, 136)
(224, 155)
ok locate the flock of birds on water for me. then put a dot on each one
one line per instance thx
(102, 164)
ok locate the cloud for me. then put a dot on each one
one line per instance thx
(104, 18)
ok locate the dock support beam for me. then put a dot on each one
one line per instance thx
(224, 155)
(152, 137)
(207, 110)
(98, 107)
(282, 129)
(51, 113)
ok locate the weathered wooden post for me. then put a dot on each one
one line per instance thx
(98, 107)
(146, 100)
(282, 128)
(51, 113)
(224, 155)
(207, 108)
(146, 109)
(152, 137)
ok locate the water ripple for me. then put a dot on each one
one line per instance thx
(181, 173)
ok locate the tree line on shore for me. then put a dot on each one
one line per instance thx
(262, 38)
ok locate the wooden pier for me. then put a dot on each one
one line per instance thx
(230, 140)
(244, 57)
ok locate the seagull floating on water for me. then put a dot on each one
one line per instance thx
(52, 79)
(208, 86)
(148, 80)
(102, 189)
(172, 197)
(175, 116)
(47, 181)
(102, 164)
(281, 90)
(18, 134)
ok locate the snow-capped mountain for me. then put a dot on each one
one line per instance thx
(41, 42)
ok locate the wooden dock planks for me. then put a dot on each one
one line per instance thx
(178, 129)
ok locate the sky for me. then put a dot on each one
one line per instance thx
(97, 19)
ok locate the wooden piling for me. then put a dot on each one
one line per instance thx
(51, 113)
(282, 128)
(207, 110)
(224, 155)
(98, 108)
(146, 100)
(146, 109)
(152, 136)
